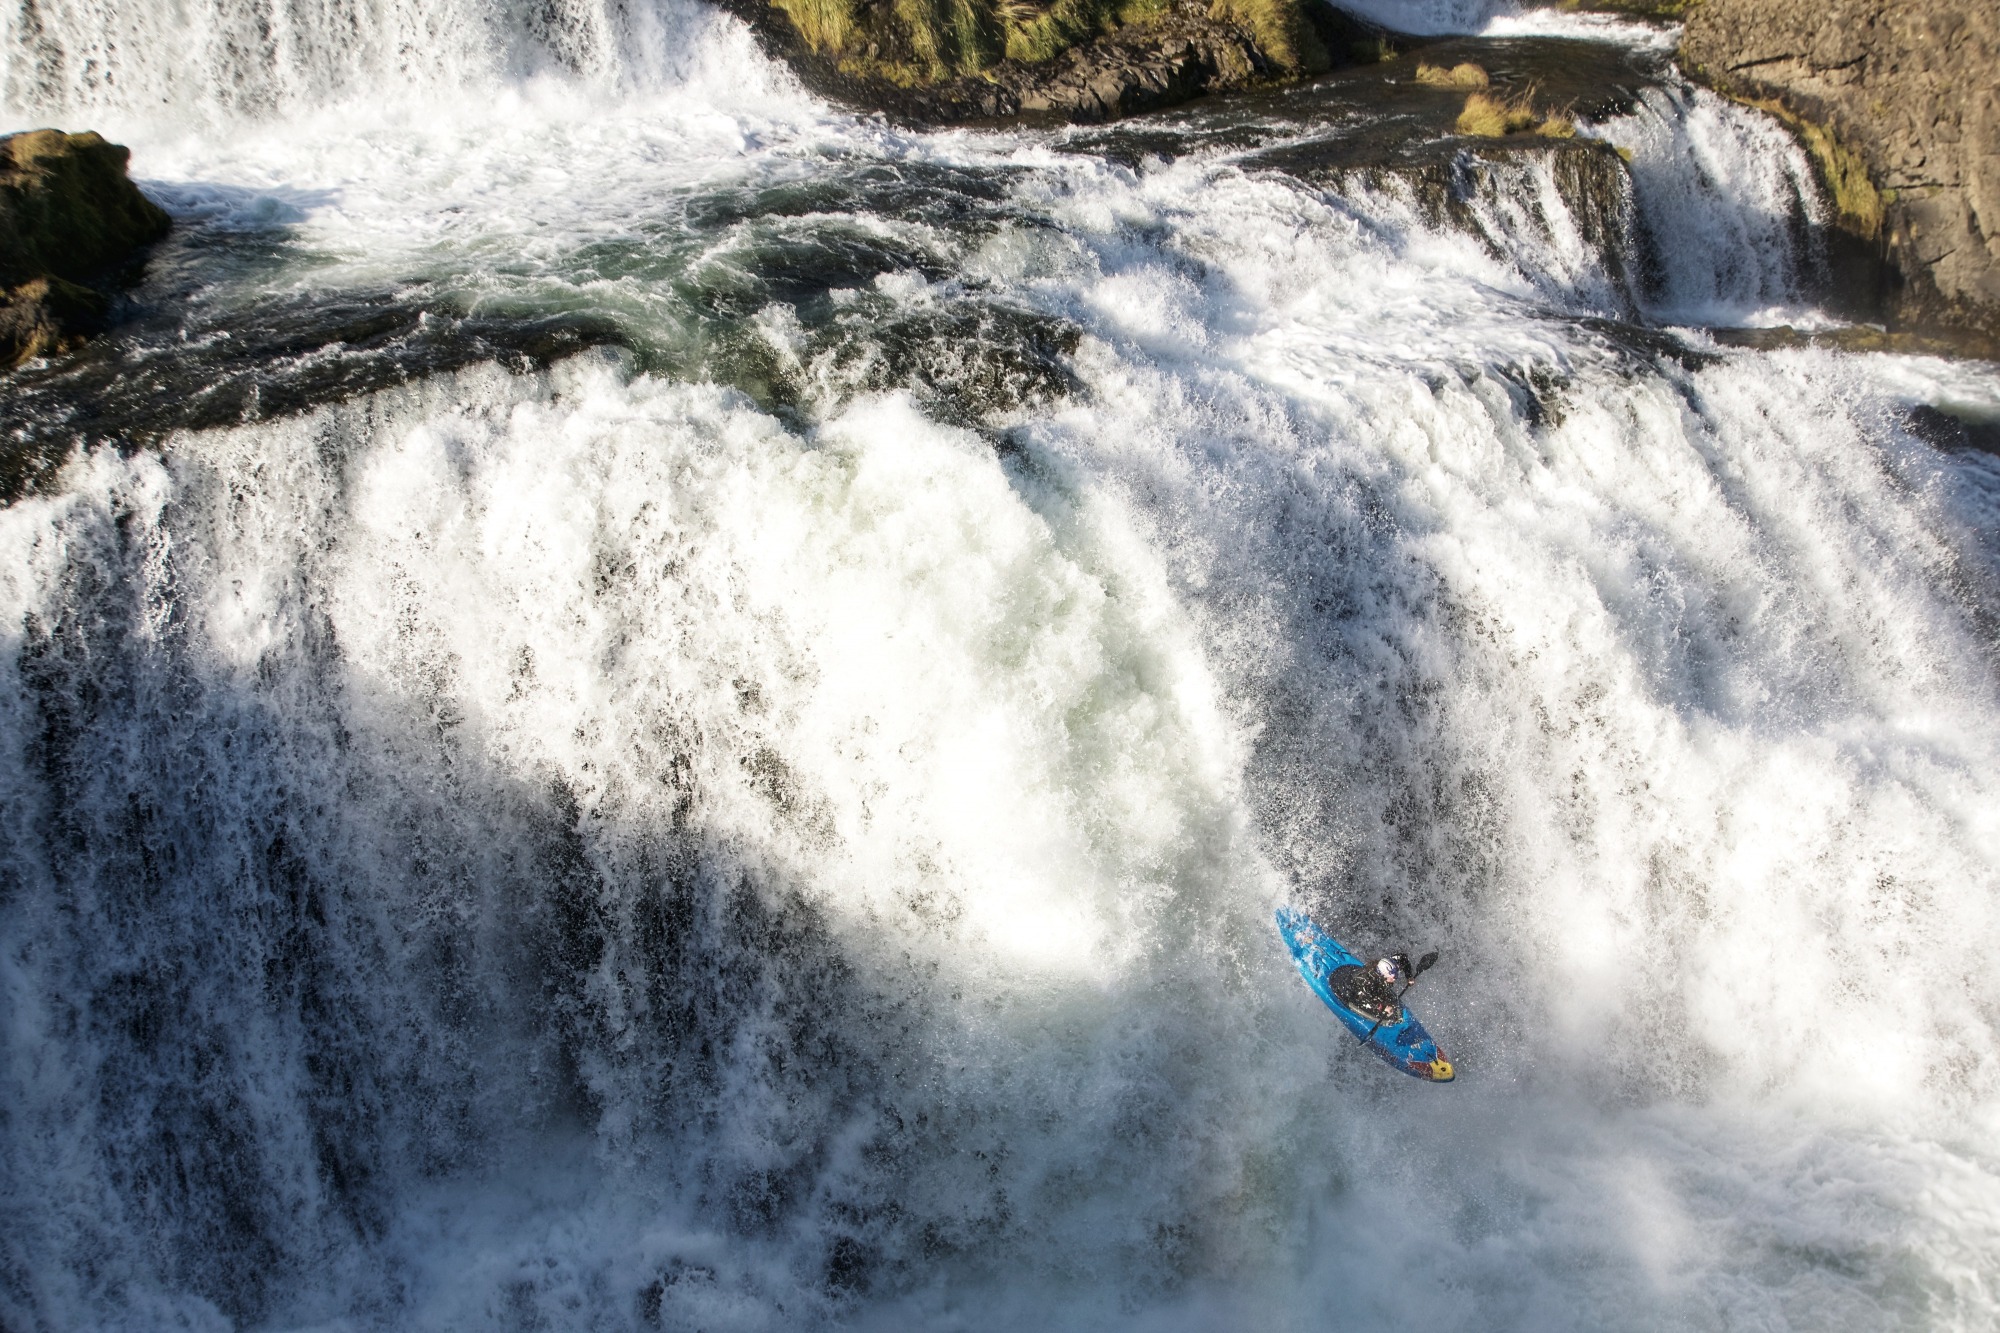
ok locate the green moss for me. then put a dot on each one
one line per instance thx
(1846, 177)
(918, 42)
(1645, 9)
(1280, 29)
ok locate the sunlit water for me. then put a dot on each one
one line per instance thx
(773, 821)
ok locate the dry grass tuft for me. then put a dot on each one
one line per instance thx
(1280, 29)
(1490, 117)
(1466, 76)
(826, 25)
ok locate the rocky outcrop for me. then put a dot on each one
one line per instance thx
(1126, 71)
(1899, 102)
(1174, 52)
(70, 221)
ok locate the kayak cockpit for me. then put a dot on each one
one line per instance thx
(1367, 994)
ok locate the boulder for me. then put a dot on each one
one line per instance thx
(1166, 53)
(71, 222)
(1899, 103)
(1135, 69)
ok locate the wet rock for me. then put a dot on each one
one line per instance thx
(1131, 71)
(47, 315)
(1189, 49)
(70, 223)
(174, 366)
(1899, 103)
(1953, 430)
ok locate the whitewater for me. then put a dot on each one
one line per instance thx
(771, 818)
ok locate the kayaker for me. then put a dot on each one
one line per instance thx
(1393, 970)
(1371, 991)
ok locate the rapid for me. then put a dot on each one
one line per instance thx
(652, 703)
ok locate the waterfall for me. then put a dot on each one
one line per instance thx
(259, 58)
(1430, 16)
(1730, 208)
(773, 821)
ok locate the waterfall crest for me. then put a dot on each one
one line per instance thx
(261, 58)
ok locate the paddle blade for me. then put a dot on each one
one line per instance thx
(1422, 964)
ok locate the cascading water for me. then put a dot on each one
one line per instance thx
(1433, 16)
(773, 821)
(252, 57)
(1729, 200)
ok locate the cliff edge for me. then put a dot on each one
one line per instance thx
(1899, 102)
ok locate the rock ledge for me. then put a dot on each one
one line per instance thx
(1899, 103)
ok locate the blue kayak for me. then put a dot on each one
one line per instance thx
(1403, 1043)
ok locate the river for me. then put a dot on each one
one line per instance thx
(634, 700)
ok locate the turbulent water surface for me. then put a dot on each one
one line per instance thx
(630, 700)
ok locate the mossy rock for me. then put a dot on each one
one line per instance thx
(940, 61)
(67, 209)
(69, 218)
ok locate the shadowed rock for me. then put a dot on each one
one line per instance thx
(1899, 103)
(70, 220)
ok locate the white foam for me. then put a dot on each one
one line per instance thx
(582, 848)
(1429, 16)
(1508, 18)
(1728, 200)
(227, 61)
(1548, 21)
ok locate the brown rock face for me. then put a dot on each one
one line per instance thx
(1910, 88)
(69, 217)
(1120, 74)
(1178, 50)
